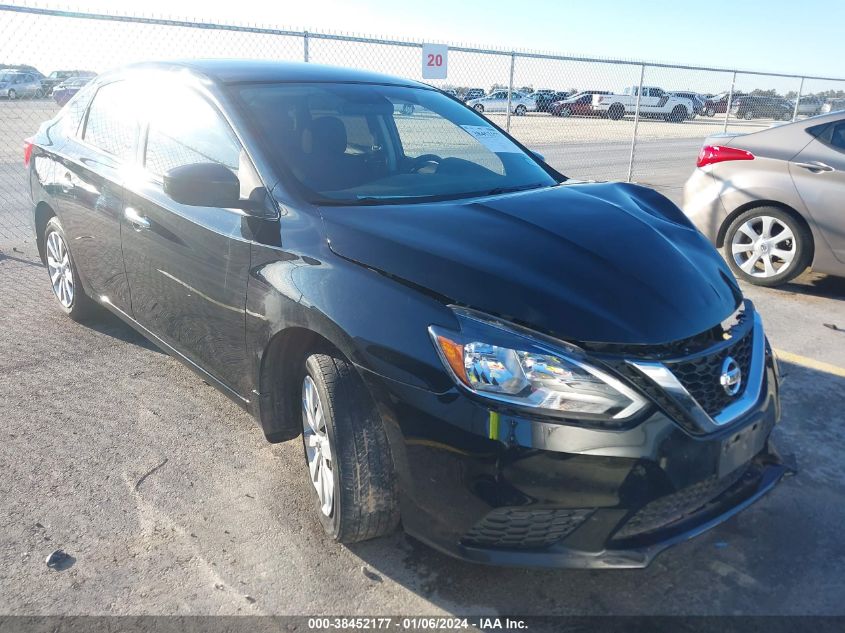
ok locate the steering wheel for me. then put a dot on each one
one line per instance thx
(423, 160)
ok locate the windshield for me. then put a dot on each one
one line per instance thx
(376, 144)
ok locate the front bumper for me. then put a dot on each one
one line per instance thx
(496, 487)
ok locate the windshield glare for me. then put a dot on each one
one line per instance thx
(371, 144)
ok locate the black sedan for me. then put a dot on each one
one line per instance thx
(524, 369)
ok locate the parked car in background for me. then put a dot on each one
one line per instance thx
(579, 104)
(403, 314)
(69, 87)
(498, 102)
(654, 102)
(545, 98)
(58, 76)
(718, 104)
(832, 105)
(773, 199)
(757, 107)
(473, 93)
(697, 100)
(20, 84)
(808, 106)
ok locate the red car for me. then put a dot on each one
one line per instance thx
(579, 104)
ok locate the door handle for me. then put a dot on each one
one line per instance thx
(815, 166)
(138, 221)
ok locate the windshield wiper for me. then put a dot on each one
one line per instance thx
(499, 190)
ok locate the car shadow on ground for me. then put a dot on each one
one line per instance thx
(816, 285)
(743, 566)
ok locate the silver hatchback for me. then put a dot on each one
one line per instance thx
(16, 84)
(773, 200)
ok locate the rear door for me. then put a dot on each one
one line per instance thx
(498, 102)
(188, 266)
(819, 175)
(91, 171)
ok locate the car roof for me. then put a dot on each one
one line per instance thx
(229, 71)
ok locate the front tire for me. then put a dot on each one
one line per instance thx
(565, 111)
(711, 112)
(520, 110)
(12, 94)
(63, 274)
(768, 246)
(478, 108)
(346, 449)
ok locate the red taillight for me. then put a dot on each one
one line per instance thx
(27, 152)
(711, 154)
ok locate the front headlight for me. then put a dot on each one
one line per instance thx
(503, 363)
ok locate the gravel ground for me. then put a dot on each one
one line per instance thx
(170, 501)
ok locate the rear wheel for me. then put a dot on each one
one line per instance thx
(12, 94)
(64, 277)
(710, 112)
(520, 110)
(565, 111)
(768, 246)
(349, 462)
(478, 108)
(678, 114)
(616, 111)
(748, 115)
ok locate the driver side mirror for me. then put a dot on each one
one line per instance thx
(203, 185)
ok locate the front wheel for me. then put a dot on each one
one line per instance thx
(64, 276)
(12, 94)
(748, 116)
(346, 449)
(711, 112)
(478, 108)
(565, 111)
(520, 110)
(768, 246)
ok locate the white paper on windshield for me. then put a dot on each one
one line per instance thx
(492, 139)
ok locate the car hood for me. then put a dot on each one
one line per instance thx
(610, 263)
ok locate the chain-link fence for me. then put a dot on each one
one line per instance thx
(592, 119)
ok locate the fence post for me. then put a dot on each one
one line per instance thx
(305, 45)
(728, 104)
(798, 99)
(636, 123)
(510, 93)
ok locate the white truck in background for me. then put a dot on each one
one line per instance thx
(654, 102)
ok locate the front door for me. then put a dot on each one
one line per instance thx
(818, 172)
(188, 266)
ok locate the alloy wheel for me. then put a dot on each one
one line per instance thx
(318, 450)
(763, 247)
(59, 267)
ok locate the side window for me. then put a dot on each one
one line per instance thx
(185, 129)
(112, 123)
(837, 137)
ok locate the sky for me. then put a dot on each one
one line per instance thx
(766, 35)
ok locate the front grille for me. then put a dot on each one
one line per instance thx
(514, 528)
(664, 511)
(700, 375)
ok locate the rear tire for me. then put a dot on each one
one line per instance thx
(785, 238)
(565, 111)
(616, 111)
(12, 94)
(520, 110)
(711, 112)
(364, 501)
(478, 108)
(748, 116)
(63, 274)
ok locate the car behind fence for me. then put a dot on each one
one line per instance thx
(643, 140)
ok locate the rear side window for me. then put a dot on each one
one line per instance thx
(831, 134)
(112, 123)
(185, 129)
